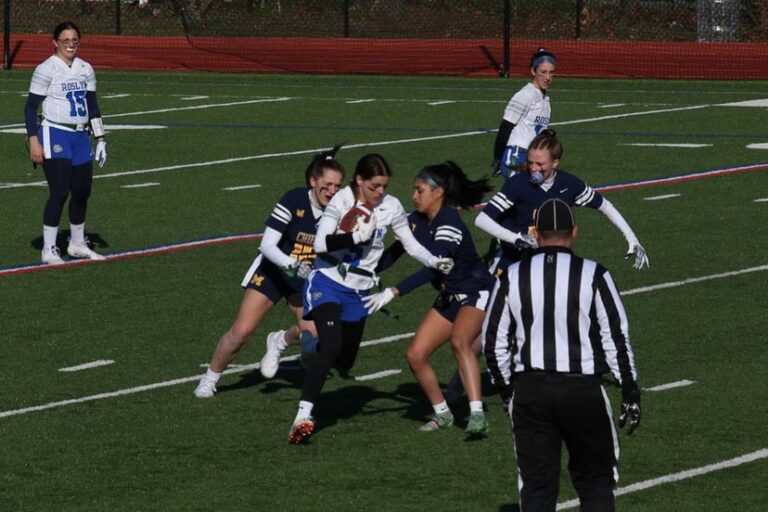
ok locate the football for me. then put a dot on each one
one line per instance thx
(349, 221)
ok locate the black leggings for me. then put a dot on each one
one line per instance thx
(339, 344)
(64, 179)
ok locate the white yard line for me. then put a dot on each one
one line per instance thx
(762, 200)
(141, 185)
(671, 385)
(611, 105)
(242, 187)
(193, 98)
(353, 102)
(87, 366)
(658, 198)
(174, 382)
(441, 102)
(111, 96)
(674, 284)
(378, 375)
(676, 477)
(198, 107)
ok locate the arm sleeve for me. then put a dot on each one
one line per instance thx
(614, 331)
(415, 280)
(390, 256)
(493, 228)
(607, 209)
(30, 113)
(499, 342)
(505, 128)
(271, 251)
(93, 105)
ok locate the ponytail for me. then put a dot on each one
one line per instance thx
(460, 191)
(548, 140)
(321, 161)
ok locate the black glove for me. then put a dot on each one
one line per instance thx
(630, 409)
(506, 397)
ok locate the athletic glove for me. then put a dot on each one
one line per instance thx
(526, 241)
(630, 410)
(376, 301)
(299, 269)
(364, 230)
(101, 152)
(444, 265)
(641, 258)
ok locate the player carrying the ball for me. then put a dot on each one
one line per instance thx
(349, 244)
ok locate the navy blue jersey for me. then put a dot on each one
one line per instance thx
(447, 236)
(296, 218)
(514, 205)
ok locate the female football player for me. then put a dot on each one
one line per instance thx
(349, 244)
(526, 114)
(65, 85)
(509, 214)
(279, 270)
(457, 314)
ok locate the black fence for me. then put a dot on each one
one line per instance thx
(584, 20)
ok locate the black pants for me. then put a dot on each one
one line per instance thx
(549, 409)
(339, 344)
(64, 179)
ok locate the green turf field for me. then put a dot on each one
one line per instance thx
(134, 438)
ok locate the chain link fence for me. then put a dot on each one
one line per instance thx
(614, 20)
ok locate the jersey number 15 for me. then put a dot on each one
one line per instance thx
(77, 103)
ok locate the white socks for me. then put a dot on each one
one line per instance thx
(212, 376)
(441, 408)
(77, 233)
(475, 406)
(305, 410)
(49, 235)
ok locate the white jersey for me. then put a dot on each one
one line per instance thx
(366, 256)
(64, 88)
(529, 111)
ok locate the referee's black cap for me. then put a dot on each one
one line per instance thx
(554, 215)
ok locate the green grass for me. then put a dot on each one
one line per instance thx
(159, 317)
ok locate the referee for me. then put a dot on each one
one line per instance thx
(556, 323)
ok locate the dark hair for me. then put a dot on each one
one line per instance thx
(67, 25)
(542, 56)
(548, 140)
(459, 189)
(370, 166)
(322, 161)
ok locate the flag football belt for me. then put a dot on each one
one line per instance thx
(345, 268)
(65, 126)
(444, 299)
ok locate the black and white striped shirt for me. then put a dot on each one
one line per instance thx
(557, 312)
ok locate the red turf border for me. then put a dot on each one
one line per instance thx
(460, 57)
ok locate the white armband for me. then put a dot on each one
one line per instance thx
(97, 127)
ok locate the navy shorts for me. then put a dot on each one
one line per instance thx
(321, 289)
(58, 143)
(267, 278)
(449, 304)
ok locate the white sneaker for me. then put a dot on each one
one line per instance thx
(81, 250)
(206, 388)
(52, 256)
(271, 359)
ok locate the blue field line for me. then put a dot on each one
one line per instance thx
(220, 239)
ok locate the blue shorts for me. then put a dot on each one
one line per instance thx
(57, 143)
(321, 289)
(267, 278)
(513, 159)
(449, 304)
